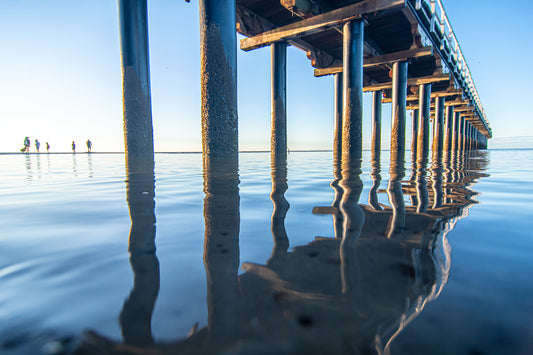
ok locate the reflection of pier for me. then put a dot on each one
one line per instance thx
(353, 291)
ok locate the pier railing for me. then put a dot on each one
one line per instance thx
(436, 25)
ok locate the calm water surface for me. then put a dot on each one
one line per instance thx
(272, 260)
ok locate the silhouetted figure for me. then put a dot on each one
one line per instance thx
(89, 145)
(26, 145)
(73, 147)
(37, 145)
(47, 147)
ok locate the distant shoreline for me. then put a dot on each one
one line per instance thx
(243, 151)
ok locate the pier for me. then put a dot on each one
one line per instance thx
(403, 51)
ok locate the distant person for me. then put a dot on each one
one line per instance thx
(27, 144)
(37, 145)
(47, 147)
(89, 146)
(73, 147)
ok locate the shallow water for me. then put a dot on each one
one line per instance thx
(84, 268)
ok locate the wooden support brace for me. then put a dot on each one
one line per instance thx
(454, 92)
(410, 82)
(464, 109)
(456, 103)
(382, 60)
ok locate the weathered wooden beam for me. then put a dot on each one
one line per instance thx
(250, 24)
(386, 59)
(413, 99)
(304, 8)
(410, 82)
(457, 103)
(449, 92)
(319, 23)
(464, 109)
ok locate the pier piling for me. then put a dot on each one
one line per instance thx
(137, 109)
(278, 142)
(337, 116)
(218, 52)
(448, 129)
(376, 124)
(399, 102)
(423, 121)
(438, 137)
(353, 36)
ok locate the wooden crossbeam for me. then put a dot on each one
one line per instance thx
(413, 105)
(410, 82)
(449, 92)
(456, 103)
(415, 98)
(382, 60)
(464, 109)
(319, 22)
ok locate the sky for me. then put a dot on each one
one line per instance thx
(60, 77)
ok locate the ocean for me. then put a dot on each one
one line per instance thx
(304, 256)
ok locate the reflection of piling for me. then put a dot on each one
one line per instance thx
(422, 194)
(447, 174)
(335, 185)
(436, 178)
(218, 51)
(354, 218)
(136, 314)
(221, 247)
(137, 112)
(375, 166)
(395, 193)
(281, 206)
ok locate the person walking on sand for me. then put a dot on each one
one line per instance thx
(47, 147)
(27, 144)
(73, 147)
(37, 145)
(89, 145)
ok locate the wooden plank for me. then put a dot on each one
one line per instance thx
(449, 92)
(456, 103)
(464, 109)
(452, 92)
(410, 82)
(319, 23)
(249, 24)
(398, 56)
(329, 71)
(382, 60)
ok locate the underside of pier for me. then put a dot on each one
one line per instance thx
(412, 31)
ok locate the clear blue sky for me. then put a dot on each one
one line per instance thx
(60, 77)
